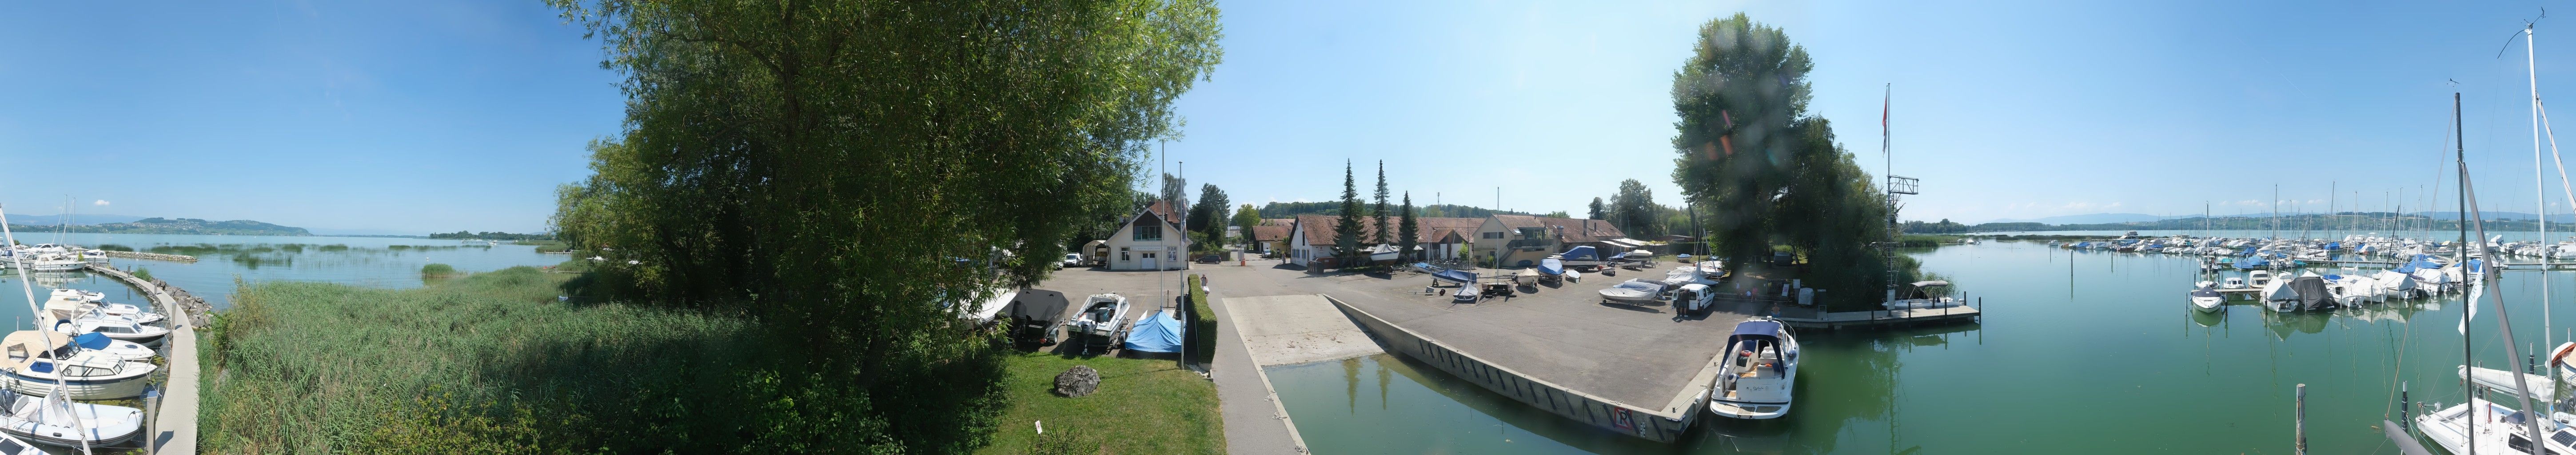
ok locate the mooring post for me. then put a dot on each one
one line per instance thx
(2405, 408)
(2299, 422)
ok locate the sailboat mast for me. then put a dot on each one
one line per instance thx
(2460, 256)
(2539, 184)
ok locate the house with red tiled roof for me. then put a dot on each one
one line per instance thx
(1271, 235)
(1524, 240)
(1311, 237)
(1152, 239)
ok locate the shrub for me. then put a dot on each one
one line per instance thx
(437, 270)
(144, 273)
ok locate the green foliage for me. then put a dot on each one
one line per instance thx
(823, 166)
(1334, 207)
(1408, 232)
(1557, 214)
(1634, 211)
(113, 247)
(1379, 211)
(1599, 211)
(1943, 227)
(437, 270)
(1144, 406)
(143, 273)
(493, 362)
(1924, 241)
(1346, 229)
(1203, 323)
(1208, 215)
(1770, 173)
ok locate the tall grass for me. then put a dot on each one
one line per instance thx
(494, 363)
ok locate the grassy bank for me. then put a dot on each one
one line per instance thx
(494, 363)
(546, 246)
(1143, 406)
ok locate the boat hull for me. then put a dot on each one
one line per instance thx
(78, 389)
(1750, 411)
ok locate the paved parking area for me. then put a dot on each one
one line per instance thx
(1562, 333)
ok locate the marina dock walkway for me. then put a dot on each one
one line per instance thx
(1255, 421)
(174, 423)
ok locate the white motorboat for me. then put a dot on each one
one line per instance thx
(2396, 285)
(1760, 373)
(2204, 284)
(36, 365)
(2207, 299)
(1926, 294)
(51, 262)
(1101, 314)
(115, 327)
(93, 256)
(77, 302)
(2499, 429)
(2232, 283)
(1633, 292)
(58, 422)
(2258, 279)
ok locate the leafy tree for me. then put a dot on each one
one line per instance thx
(1558, 214)
(847, 171)
(1347, 230)
(1247, 217)
(1770, 173)
(1176, 191)
(1209, 214)
(1380, 211)
(1633, 210)
(1408, 233)
(1599, 211)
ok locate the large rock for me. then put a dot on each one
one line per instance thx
(1079, 381)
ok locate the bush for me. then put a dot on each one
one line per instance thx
(144, 273)
(1202, 323)
(437, 270)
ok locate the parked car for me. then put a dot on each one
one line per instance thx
(1070, 260)
(1211, 258)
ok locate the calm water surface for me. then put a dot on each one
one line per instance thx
(2079, 352)
(362, 261)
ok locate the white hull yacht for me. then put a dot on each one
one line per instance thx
(59, 423)
(1100, 315)
(39, 363)
(1760, 371)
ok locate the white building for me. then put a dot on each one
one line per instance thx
(1152, 239)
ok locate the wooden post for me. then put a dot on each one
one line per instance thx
(2405, 409)
(2300, 422)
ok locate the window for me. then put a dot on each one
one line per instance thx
(1148, 232)
(1489, 235)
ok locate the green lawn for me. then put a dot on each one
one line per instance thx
(1143, 406)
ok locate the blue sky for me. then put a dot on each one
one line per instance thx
(439, 116)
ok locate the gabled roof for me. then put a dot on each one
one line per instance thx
(1320, 229)
(1161, 211)
(1565, 229)
(1265, 233)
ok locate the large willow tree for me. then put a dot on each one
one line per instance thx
(848, 172)
(1770, 173)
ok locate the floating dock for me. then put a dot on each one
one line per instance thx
(1814, 319)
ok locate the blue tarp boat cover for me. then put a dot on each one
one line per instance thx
(2419, 262)
(1455, 276)
(1582, 253)
(92, 340)
(1160, 332)
(2251, 263)
(1552, 267)
(2477, 266)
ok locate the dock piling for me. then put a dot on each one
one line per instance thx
(2299, 422)
(2405, 408)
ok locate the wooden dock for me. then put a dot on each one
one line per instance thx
(1836, 320)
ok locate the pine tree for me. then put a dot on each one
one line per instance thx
(1380, 212)
(1409, 232)
(1346, 239)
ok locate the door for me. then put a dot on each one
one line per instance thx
(1150, 263)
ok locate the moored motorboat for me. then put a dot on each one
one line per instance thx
(58, 422)
(115, 327)
(1925, 294)
(2232, 283)
(1760, 373)
(38, 363)
(2207, 299)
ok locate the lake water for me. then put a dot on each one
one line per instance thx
(2079, 352)
(364, 261)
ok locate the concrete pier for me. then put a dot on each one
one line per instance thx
(174, 423)
(152, 256)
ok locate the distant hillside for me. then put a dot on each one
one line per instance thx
(76, 218)
(157, 225)
(2095, 218)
